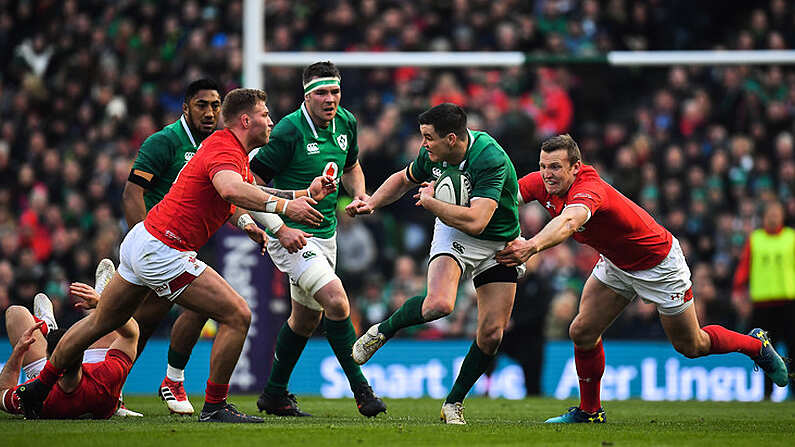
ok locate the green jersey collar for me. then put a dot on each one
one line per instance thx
(312, 123)
(187, 130)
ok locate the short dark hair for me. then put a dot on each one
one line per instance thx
(566, 142)
(446, 118)
(240, 100)
(324, 69)
(53, 337)
(200, 84)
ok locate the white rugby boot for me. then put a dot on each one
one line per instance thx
(104, 273)
(453, 413)
(367, 344)
(42, 309)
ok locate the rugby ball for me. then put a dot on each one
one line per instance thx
(453, 187)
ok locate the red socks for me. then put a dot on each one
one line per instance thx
(724, 341)
(216, 393)
(43, 328)
(590, 367)
(48, 375)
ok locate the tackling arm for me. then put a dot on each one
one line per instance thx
(393, 188)
(554, 232)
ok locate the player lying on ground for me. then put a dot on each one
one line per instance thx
(85, 390)
(639, 258)
(318, 138)
(160, 254)
(465, 240)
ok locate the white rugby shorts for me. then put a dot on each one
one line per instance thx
(667, 284)
(146, 261)
(473, 255)
(309, 269)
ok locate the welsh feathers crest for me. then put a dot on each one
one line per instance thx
(342, 141)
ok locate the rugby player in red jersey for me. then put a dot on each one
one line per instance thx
(87, 390)
(160, 254)
(639, 258)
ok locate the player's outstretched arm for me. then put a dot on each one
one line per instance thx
(554, 232)
(10, 373)
(232, 188)
(392, 189)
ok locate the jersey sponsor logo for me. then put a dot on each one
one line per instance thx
(582, 195)
(342, 140)
(459, 247)
(331, 170)
(436, 171)
(189, 155)
(309, 254)
(312, 149)
(549, 205)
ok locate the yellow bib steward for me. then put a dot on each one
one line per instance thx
(772, 275)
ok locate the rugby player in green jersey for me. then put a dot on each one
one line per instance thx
(159, 160)
(317, 139)
(465, 241)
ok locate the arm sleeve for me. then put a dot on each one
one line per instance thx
(419, 170)
(276, 155)
(488, 176)
(531, 187)
(587, 193)
(224, 160)
(152, 159)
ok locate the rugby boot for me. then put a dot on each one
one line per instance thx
(769, 360)
(227, 413)
(574, 415)
(284, 404)
(453, 413)
(367, 402)
(367, 344)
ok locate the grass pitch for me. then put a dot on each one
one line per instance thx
(414, 422)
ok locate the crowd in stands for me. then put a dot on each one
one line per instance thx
(83, 83)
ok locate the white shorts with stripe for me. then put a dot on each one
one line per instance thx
(667, 284)
(146, 261)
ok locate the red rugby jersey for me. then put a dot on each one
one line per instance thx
(192, 210)
(96, 396)
(618, 228)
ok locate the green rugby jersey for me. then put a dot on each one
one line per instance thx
(299, 151)
(160, 159)
(491, 174)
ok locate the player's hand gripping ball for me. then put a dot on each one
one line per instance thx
(453, 187)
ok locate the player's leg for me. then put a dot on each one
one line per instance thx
(495, 301)
(290, 343)
(693, 341)
(341, 336)
(184, 334)
(211, 295)
(444, 271)
(18, 320)
(600, 305)
(149, 315)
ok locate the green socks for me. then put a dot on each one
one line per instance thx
(475, 364)
(341, 337)
(409, 314)
(289, 347)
